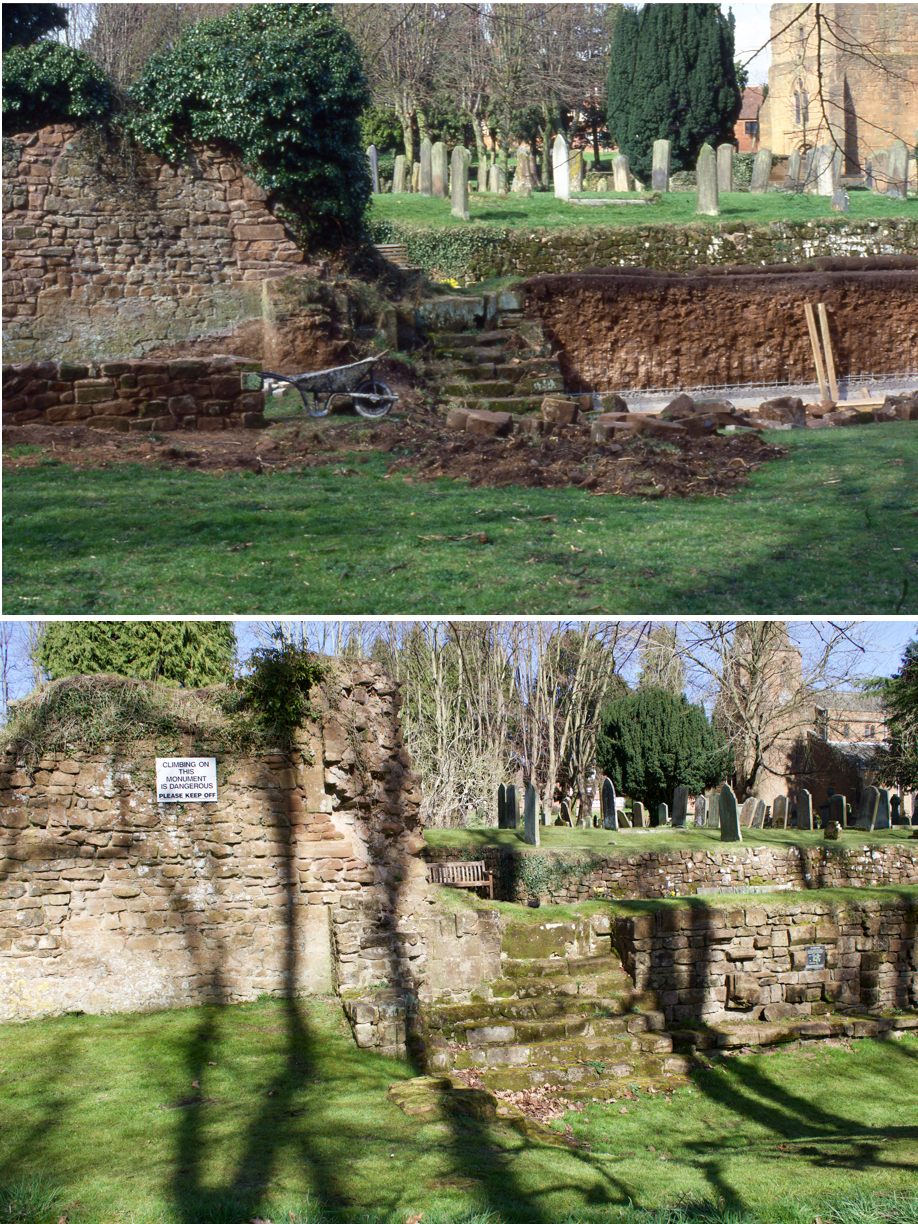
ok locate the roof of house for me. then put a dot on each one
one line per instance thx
(851, 701)
(753, 97)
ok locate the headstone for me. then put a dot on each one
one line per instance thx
(761, 171)
(621, 815)
(713, 813)
(561, 168)
(746, 812)
(621, 173)
(883, 818)
(638, 815)
(662, 159)
(729, 817)
(779, 812)
(459, 183)
(701, 811)
(502, 806)
(824, 170)
(530, 821)
(680, 806)
(838, 165)
(706, 177)
(607, 805)
(758, 814)
(837, 807)
(804, 810)
(602, 185)
(426, 180)
(565, 816)
(879, 168)
(794, 167)
(898, 170)
(400, 178)
(523, 177)
(374, 167)
(662, 815)
(808, 181)
(840, 201)
(867, 810)
(492, 179)
(416, 177)
(896, 815)
(513, 810)
(725, 167)
(576, 170)
(439, 171)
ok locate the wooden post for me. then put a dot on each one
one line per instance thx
(827, 345)
(817, 355)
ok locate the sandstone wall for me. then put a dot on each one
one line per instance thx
(111, 254)
(614, 330)
(560, 879)
(301, 877)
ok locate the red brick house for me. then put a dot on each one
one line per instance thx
(746, 131)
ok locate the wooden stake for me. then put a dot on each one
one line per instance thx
(827, 345)
(817, 354)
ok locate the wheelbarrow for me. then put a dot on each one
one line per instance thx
(320, 388)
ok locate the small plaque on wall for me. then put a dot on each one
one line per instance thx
(815, 956)
(186, 779)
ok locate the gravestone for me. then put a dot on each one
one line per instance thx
(808, 182)
(638, 815)
(607, 805)
(746, 812)
(621, 815)
(459, 183)
(761, 173)
(725, 167)
(502, 806)
(374, 167)
(706, 177)
(701, 809)
(621, 173)
(794, 166)
(565, 816)
(837, 807)
(758, 814)
(602, 185)
(713, 812)
(879, 171)
(680, 801)
(896, 815)
(779, 812)
(729, 817)
(426, 180)
(883, 817)
(662, 815)
(840, 201)
(662, 160)
(867, 809)
(513, 810)
(561, 168)
(898, 170)
(439, 171)
(416, 177)
(523, 177)
(530, 821)
(576, 170)
(824, 170)
(838, 164)
(804, 810)
(400, 178)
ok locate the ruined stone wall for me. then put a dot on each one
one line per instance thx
(303, 876)
(110, 254)
(724, 963)
(559, 879)
(617, 330)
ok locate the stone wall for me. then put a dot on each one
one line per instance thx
(302, 877)
(752, 961)
(109, 254)
(560, 879)
(220, 393)
(617, 330)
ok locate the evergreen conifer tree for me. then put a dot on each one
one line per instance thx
(672, 76)
(190, 654)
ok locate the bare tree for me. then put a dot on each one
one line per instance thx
(20, 671)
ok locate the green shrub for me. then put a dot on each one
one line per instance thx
(47, 83)
(284, 85)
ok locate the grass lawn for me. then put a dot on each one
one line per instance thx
(268, 1111)
(543, 210)
(831, 530)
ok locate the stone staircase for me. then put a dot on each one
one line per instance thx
(504, 364)
(570, 1020)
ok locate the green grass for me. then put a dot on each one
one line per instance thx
(102, 1119)
(831, 530)
(542, 210)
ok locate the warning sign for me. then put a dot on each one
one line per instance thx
(186, 779)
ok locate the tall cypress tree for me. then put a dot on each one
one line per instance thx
(186, 653)
(672, 76)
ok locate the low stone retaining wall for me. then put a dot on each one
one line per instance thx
(562, 878)
(218, 393)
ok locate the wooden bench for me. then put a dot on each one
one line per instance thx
(395, 252)
(461, 875)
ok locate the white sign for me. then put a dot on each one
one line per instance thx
(186, 779)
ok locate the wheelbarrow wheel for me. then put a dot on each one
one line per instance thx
(373, 398)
